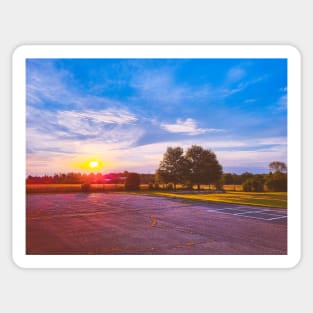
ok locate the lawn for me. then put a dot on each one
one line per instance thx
(267, 199)
(63, 188)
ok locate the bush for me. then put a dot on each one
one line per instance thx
(277, 182)
(170, 187)
(253, 184)
(132, 181)
(156, 186)
(85, 187)
(247, 185)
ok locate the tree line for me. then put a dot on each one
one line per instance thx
(200, 166)
(197, 166)
(91, 178)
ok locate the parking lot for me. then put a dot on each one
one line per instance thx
(119, 223)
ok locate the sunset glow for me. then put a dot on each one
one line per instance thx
(112, 115)
(93, 164)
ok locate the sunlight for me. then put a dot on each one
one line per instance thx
(93, 164)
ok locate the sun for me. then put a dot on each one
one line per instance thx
(93, 164)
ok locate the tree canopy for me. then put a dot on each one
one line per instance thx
(276, 166)
(204, 167)
(197, 166)
(174, 167)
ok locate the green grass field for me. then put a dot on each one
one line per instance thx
(266, 199)
(63, 188)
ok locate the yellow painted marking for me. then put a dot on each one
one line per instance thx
(153, 221)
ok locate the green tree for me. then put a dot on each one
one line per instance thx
(279, 167)
(174, 168)
(255, 183)
(204, 166)
(277, 179)
(132, 181)
(231, 179)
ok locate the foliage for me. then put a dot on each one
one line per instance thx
(85, 187)
(197, 166)
(277, 181)
(204, 167)
(278, 167)
(91, 178)
(255, 184)
(132, 181)
(174, 168)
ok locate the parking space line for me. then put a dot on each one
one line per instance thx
(249, 212)
(276, 218)
(271, 215)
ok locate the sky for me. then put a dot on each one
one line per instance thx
(124, 113)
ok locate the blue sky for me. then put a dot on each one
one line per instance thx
(126, 112)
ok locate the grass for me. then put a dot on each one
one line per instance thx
(266, 199)
(63, 188)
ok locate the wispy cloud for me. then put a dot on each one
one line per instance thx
(68, 131)
(109, 116)
(235, 74)
(161, 87)
(128, 111)
(188, 126)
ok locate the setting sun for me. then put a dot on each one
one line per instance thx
(93, 164)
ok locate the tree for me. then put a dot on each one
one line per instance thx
(204, 167)
(245, 176)
(174, 168)
(231, 179)
(255, 183)
(279, 167)
(277, 182)
(132, 181)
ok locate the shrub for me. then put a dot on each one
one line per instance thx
(170, 187)
(247, 186)
(132, 181)
(85, 187)
(156, 186)
(277, 182)
(253, 184)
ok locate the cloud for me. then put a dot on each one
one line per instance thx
(160, 86)
(70, 131)
(282, 103)
(235, 74)
(49, 86)
(189, 126)
(109, 116)
(250, 101)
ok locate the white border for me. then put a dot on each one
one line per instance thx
(156, 261)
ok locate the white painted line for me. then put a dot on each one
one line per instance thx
(276, 218)
(257, 218)
(264, 219)
(243, 214)
(248, 212)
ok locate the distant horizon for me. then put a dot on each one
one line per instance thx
(124, 113)
(257, 171)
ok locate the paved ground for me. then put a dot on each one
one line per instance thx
(112, 223)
